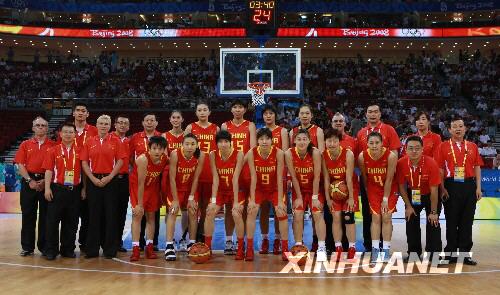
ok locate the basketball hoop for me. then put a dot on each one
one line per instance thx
(258, 90)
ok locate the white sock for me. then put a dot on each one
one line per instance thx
(192, 241)
(386, 244)
(229, 238)
(277, 237)
(169, 243)
(375, 243)
(265, 236)
(298, 243)
(149, 242)
(351, 245)
(135, 244)
(321, 244)
(338, 244)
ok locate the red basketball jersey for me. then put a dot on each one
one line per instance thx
(206, 136)
(266, 169)
(313, 134)
(185, 171)
(240, 135)
(225, 169)
(174, 141)
(277, 140)
(337, 167)
(304, 170)
(376, 171)
(153, 173)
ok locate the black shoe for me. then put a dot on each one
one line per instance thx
(108, 256)
(155, 248)
(25, 253)
(469, 261)
(122, 250)
(82, 248)
(50, 257)
(89, 256)
(68, 255)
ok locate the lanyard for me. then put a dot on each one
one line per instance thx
(374, 129)
(146, 143)
(64, 158)
(419, 173)
(453, 153)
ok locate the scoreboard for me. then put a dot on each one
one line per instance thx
(262, 17)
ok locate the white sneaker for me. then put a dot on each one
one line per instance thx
(170, 253)
(182, 246)
(321, 254)
(229, 248)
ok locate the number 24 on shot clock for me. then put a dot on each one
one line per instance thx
(262, 13)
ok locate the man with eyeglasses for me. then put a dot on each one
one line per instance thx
(347, 142)
(29, 159)
(418, 179)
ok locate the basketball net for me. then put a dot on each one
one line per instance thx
(258, 90)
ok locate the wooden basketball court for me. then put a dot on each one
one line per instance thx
(35, 275)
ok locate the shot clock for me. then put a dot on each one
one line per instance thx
(261, 17)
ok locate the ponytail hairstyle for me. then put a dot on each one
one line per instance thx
(197, 151)
(310, 147)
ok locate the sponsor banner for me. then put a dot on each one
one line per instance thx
(385, 32)
(122, 33)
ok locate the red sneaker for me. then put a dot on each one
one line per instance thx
(338, 252)
(351, 253)
(314, 246)
(249, 254)
(276, 247)
(284, 248)
(240, 252)
(136, 253)
(150, 253)
(264, 248)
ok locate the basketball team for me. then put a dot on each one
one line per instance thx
(92, 174)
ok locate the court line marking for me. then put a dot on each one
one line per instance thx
(235, 276)
(222, 271)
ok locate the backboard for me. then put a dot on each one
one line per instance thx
(278, 66)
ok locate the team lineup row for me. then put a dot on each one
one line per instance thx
(203, 169)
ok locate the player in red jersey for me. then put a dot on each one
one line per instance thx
(266, 169)
(338, 165)
(242, 131)
(205, 133)
(316, 133)
(175, 135)
(431, 140)
(174, 141)
(304, 165)
(145, 193)
(184, 171)
(138, 145)
(378, 166)
(243, 139)
(280, 140)
(223, 162)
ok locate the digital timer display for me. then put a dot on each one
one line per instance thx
(262, 13)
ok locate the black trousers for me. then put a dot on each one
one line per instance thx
(63, 209)
(84, 221)
(367, 219)
(459, 211)
(32, 202)
(122, 198)
(413, 232)
(142, 239)
(329, 241)
(102, 203)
